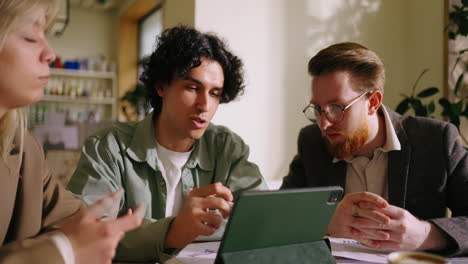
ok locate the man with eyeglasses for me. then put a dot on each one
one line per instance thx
(399, 173)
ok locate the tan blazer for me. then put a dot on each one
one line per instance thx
(31, 203)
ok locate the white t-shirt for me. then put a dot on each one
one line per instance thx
(170, 164)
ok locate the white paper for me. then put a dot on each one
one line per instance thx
(199, 253)
(340, 260)
(352, 249)
(463, 260)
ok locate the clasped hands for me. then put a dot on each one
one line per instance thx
(371, 220)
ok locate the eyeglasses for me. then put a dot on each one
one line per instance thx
(334, 112)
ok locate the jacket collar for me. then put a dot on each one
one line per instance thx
(398, 164)
(142, 147)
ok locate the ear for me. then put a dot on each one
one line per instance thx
(375, 101)
(160, 90)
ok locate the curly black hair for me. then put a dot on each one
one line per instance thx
(179, 50)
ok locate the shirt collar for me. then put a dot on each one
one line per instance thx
(142, 147)
(391, 139)
(201, 154)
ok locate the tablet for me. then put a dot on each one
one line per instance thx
(262, 219)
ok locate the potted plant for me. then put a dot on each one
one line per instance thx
(135, 105)
(423, 104)
(455, 106)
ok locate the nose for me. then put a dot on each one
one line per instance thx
(203, 101)
(324, 123)
(48, 54)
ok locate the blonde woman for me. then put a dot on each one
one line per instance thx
(39, 221)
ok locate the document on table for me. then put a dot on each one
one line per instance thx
(349, 251)
(198, 253)
(352, 249)
(345, 251)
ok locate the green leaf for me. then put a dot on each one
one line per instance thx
(456, 121)
(463, 29)
(457, 8)
(457, 108)
(452, 35)
(418, 107)
(430, 108)
(444, 102)
(465, 113)
(446, 106)
(417, 80)
(428, 92)
(455, 64)
(465, 3)
(403, 106)
(458, 84)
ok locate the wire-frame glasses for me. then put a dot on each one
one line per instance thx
(333, 112)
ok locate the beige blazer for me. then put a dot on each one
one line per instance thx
(32, 202)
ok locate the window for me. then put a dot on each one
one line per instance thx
(150, 26)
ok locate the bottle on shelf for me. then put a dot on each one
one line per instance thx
(88, 86)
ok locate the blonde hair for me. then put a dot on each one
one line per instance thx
(366, 68)
(13, 14)
(12, 122)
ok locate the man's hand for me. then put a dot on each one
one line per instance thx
(195, 218)
(405, 232)
(93, 240)
(348, 213)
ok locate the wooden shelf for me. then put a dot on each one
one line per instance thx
(107, 81)
(78, 99)
(82, 74)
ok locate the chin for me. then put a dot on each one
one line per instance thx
(37, 99)
(197, 134)
(335, 141)
(36, 96)
(32, 101)
(27, 101)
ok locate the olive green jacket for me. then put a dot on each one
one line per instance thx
(125, 156)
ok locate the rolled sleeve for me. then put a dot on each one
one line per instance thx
(145, 243)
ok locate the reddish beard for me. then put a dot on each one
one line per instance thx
(351, 145)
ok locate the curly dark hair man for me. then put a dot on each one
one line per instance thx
(175, 162)
(181, 49)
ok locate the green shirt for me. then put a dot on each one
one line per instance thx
(125, 157)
